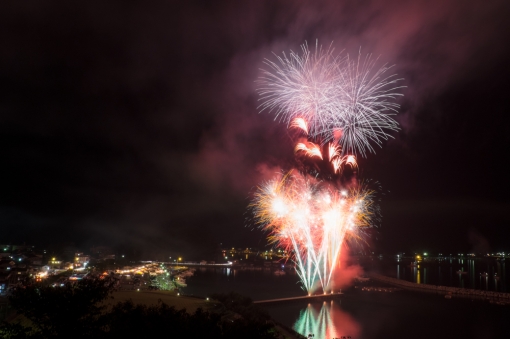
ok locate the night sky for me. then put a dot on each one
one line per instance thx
(136, 123)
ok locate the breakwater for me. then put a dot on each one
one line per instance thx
(313, 297)
(496, 297)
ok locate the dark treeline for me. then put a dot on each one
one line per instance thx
(77, 311)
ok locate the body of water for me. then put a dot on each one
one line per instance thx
(358, 314)
(478, 273)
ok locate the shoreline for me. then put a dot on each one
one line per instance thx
(497, 297)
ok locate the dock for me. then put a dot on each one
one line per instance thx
(498, 297)
(313, 297)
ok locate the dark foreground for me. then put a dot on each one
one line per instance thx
(83, 310)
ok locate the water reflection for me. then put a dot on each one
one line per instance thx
(472, 273)
(478, 273)
(417, 273)
(326, 320)
(503, 287)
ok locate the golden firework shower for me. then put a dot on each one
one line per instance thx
(338, 107)
(312, 218)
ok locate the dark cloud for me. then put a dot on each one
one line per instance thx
(137, 122)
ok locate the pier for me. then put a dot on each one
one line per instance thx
(497, 297)
(313, 297)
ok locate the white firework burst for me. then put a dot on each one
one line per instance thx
(343, 100)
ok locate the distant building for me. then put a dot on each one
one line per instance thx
(4, 281)
(81, 260)
(6, 265)
(36, 260)
(54, 263)
(12, 248)
(20, 271)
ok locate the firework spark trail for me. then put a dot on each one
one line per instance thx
(368, 112)
(343, 107)
(310, 150)
(312, 218)
(301, 85)
(333, 94)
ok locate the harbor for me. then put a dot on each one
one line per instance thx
(495, 297)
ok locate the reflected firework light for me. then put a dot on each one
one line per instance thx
(327, 322)
(346, 101)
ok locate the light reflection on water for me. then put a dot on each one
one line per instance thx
(326, 320)
(366, 315)
(482, 274)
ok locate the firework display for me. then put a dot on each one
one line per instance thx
(335, 108)
(343, 100)
(312, 217)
